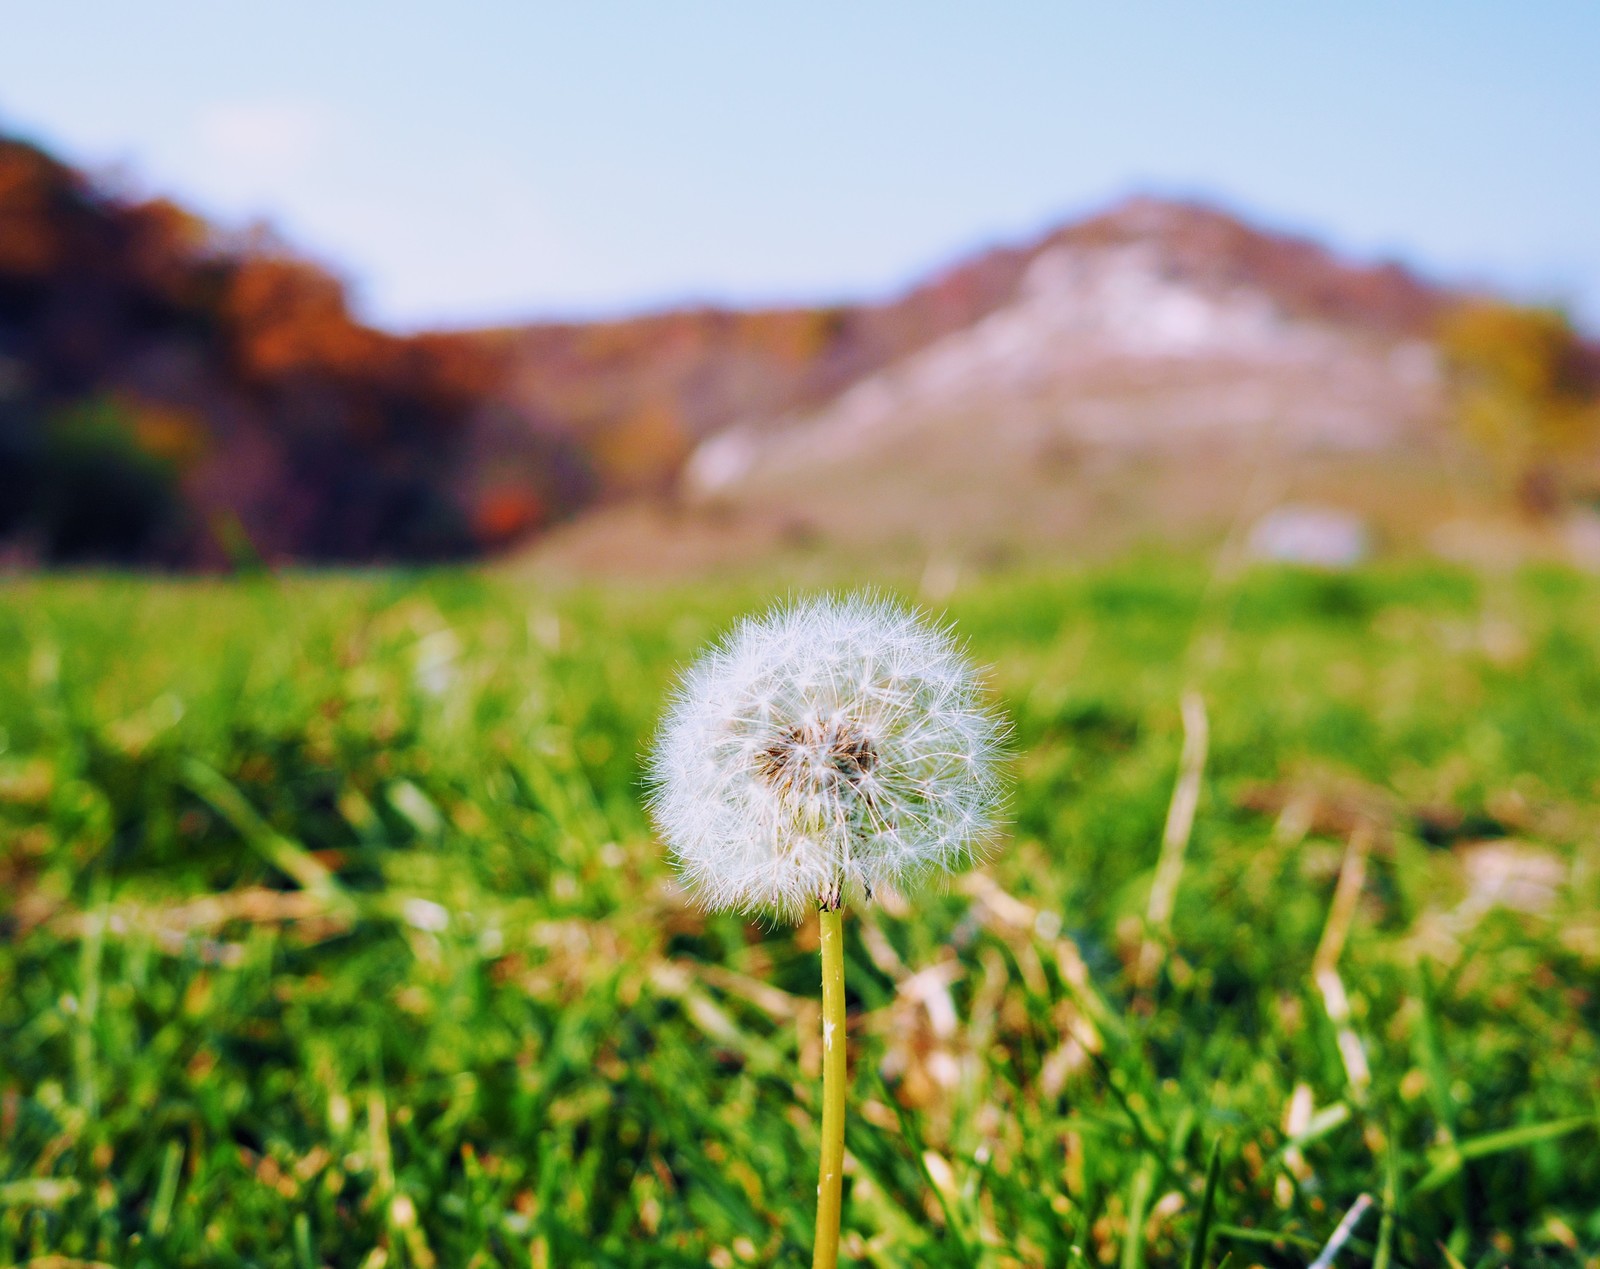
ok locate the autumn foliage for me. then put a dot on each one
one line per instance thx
(1526, 388)
(168, 397)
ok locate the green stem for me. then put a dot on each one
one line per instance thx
(826, 1253)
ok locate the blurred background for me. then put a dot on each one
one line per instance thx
(393, 397)
(670, 290)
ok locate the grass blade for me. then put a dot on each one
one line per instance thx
(289, 858)
(1342, 1233)
(1202, 1233)
(1138, 1203)
(1498, 1143)
(1391, 1201)
(166, 1189)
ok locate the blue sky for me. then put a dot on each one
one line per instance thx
(470, 163)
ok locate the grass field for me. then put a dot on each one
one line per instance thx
(334, 933)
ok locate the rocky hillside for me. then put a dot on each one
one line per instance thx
(1144, 372)
(1142, 330)
(645, 390)
(170, 395)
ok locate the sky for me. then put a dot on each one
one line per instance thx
(475, 163)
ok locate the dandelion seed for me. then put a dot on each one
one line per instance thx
(826, 750)
(829, 749)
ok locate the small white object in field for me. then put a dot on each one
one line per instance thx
(828, 749)
(1581, 532)
(1323, 537)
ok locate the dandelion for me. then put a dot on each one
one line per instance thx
(826, 751)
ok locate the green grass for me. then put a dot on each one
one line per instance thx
(334, 933)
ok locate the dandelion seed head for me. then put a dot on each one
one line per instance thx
(830, 748)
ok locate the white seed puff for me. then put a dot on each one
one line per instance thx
(827, 749)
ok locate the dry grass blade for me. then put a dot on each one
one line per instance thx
(1324, 965)
(1175, 837)
(1346, 1229)
(187, 928)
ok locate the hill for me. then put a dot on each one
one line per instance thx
(1132, 374)
(172, 395)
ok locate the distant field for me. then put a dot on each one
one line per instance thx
(334, 933)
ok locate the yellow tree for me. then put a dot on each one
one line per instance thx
(1525, 387)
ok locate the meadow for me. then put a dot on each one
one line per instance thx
(334, 933)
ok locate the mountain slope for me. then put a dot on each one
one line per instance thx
(1139, 372)
(647, 389)
(173, 396)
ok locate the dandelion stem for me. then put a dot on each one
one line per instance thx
(826, 1252)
